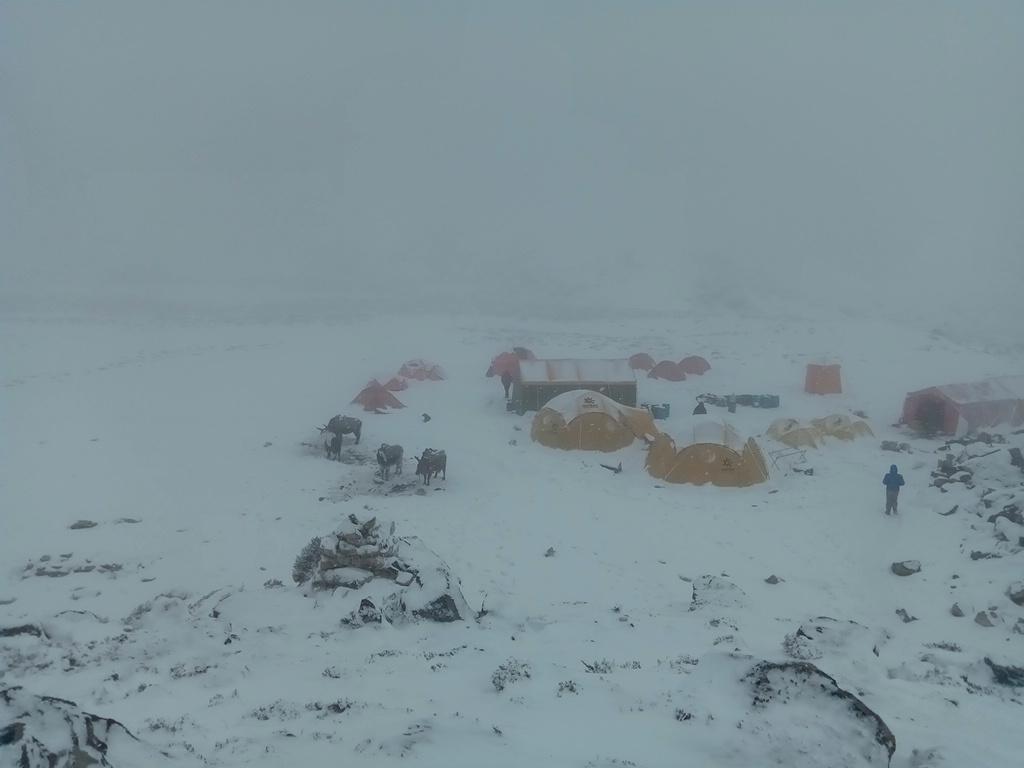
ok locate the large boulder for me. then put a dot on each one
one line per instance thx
(43, 732)
(1016, 592)
(377, 575)
(791, 713)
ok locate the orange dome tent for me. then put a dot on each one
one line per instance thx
(667, 370)
(375, 397)
(506, 361)
(396, 384)
(641, 361)
(823, 380)
(421, 370)
(694, 366)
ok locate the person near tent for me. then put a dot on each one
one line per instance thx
(892, 482)
(506, 381)
(701, 409)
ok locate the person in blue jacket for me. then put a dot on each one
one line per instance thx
(892, 482)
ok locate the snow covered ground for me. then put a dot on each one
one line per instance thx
(183, 442)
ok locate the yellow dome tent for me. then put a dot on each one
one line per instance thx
(588, 421)
(842, 427)
(714, 454)
(794, 434)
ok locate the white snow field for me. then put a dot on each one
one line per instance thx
(176, 614)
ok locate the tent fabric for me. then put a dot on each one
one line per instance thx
(967, 407)
(667, 370)
(641, 361)
(823, 380)
(421, 370)
(842, 426)
(588, 421)
(794, 434)
(523, 353)
(506, 361)
(576, 371)
(694, 365)
(708, 462)
(375, 397)
(396, 384)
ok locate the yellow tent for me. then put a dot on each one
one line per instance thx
(794, 434)
(714, 454)
(589, 421)
(843, 427)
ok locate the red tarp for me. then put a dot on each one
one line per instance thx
(506, 361)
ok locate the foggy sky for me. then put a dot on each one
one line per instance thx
(648, 153)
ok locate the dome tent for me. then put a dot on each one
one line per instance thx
(714, 453)
(823, 380)
(841, 426)
(794, 434)
(588, 421)
(668, 370)
(641, 361)
(421, 370)
(694, 366)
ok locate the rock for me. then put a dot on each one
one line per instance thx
(443, 609)
(22, 629)
(985, 618)
(906, 567)
(1016, 592)
(40, 731)
(979, 555)
(957, 611)
(716, 591)
(812, 693)
(550, 552)
(1006, 675)
(773, 579)
(907, 618)
(126, 521)
(7, 600)
(404, 578)
(1018, 628)
(951, 511)
(890, 445)
(349, 578)
(1011, 512)
(825, 636)
(82, 524)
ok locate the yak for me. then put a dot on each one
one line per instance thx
(389, 456)
(432, 463)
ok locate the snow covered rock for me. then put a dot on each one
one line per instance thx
(1016, 592)
(986, 618)
(1005, 674)
(761, 713)
(716, 591)
(957, 611)
(906, 567)
(377, 575)
(43, 732)
(824, 636)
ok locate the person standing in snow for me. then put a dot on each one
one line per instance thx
(892, 482)
(506, 382)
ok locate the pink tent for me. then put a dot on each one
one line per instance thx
(694, 366)
(667, 370)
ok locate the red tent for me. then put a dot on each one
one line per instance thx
(641, 361)
(694, 366)
(375, 397)
(523, 353)
(667, 370)
(421, 370)
(506, 361)
(955, 408)
(396, 384)
(823, 380)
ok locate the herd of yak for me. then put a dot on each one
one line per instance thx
(429, 464)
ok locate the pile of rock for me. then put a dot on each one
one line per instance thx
(41, 731)
(383, 576)
(951, 470)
